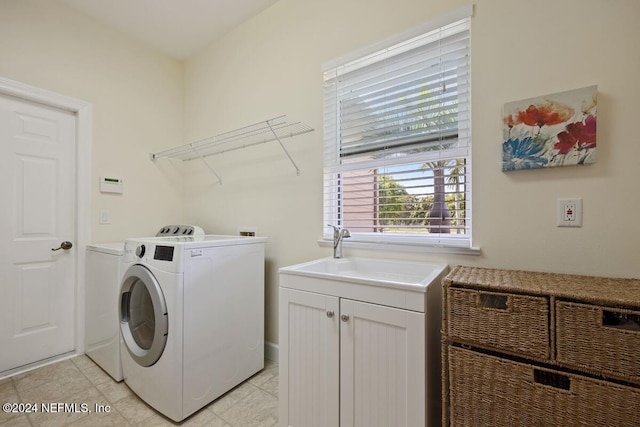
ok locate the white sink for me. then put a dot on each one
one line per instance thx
(416, 276)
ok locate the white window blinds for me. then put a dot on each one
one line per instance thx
(397, 141)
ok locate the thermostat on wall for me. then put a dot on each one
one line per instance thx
(110, 185)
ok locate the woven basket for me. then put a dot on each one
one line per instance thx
(601, 340)
(492, 391)
(516, 324)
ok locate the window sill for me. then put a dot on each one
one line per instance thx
(402, 247)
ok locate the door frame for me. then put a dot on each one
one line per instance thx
(83, 113)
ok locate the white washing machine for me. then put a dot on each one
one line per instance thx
(191, 318)
(104, 269)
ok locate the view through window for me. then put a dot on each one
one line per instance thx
(397, 141)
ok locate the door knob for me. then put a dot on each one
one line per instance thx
(64, 245)
(344, 317)
(329, 313)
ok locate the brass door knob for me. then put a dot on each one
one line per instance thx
(64, 245)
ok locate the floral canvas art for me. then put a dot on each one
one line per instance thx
(549, 131)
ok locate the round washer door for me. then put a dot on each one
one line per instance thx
(143, 315)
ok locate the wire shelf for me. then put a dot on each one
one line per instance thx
(274, 129)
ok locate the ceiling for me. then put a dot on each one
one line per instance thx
(178, 28)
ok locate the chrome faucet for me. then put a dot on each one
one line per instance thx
(338, 235)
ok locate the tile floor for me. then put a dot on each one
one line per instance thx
(253, 403)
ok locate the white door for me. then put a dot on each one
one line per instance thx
(309, 359)
(37, 214)
(382, 366)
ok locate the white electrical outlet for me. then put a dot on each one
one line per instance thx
(570, 212)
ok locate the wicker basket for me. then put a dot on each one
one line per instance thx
(601, 340)
(492, 391)
(516, 324)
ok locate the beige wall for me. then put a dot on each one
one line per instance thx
(272, 65)
(136, 96)
(520, 49)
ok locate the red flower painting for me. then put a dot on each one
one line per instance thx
(554, 130)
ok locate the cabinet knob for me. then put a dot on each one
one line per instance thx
(329, 313)
(344, 317)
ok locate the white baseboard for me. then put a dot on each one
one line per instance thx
(271, 351)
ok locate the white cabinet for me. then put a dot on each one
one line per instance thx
(382, 366)
(350, 359)
(309, 367)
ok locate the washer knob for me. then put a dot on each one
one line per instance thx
(140, 250)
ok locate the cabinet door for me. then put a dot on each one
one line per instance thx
(309, 357)
(382, 364)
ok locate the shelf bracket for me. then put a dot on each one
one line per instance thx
(283, 148)
(197, 153)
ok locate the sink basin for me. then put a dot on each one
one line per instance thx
(382, 272)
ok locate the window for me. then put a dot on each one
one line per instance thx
(397, 140)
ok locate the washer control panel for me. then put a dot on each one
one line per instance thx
(180, 230)
(163, 253)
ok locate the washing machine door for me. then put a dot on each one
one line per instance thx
(143, 315)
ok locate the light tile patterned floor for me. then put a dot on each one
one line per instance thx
(253, 403)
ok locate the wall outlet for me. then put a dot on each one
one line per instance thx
(570, 212)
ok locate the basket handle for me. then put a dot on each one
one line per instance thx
(493, 301)
(552, 379)
(618, 320)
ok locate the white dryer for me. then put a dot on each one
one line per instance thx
(191, 318)
(102, 335)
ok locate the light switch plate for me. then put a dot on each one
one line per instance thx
(105, 217)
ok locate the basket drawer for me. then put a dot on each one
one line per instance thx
(517, 324)
(491, 391)
(599, 339)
